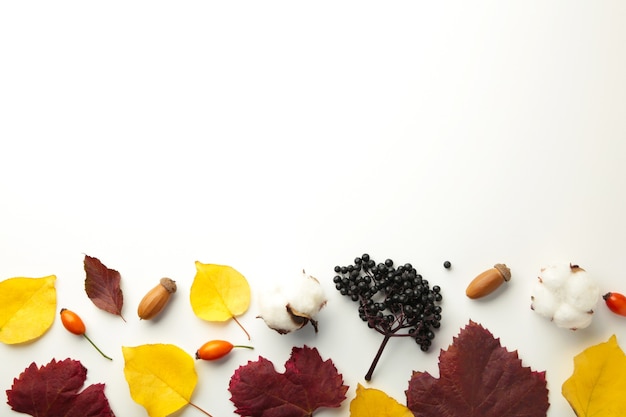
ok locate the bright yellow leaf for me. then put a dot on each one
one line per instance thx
(597, 386)
(370, 402)
(161, 377)
(27, 308)
(219, 292)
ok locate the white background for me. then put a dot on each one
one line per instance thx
(276, 136)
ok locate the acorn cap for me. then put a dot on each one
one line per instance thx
(168, 284)
(504, 270)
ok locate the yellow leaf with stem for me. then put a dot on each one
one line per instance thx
(598, 383)
(370, 402)
(161, 378)
(219, 293)
(27, 308)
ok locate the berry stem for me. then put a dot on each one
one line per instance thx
(370, 372)
(243, 346)
(97, 348)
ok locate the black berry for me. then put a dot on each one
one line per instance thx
(393, 300)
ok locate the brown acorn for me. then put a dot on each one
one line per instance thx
(156, 299)
(488, 281)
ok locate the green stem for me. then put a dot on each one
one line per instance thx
(98, 349)
(243, 346)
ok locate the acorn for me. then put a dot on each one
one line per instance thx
(156, 299)
(488, 281)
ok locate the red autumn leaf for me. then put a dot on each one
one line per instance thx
(478, 377)
(307, 384)
(52, 391)
(102, 286)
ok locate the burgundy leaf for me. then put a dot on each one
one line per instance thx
(102, 286)
(478, 377)
(53, 391)
(305, 368)
(307, 384)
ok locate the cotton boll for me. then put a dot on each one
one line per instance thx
(290, 305)
(567, 295)
(306, 295)
(582, 291)
(569, 317)
(555, 276)
(280, 320)
(544, 301)
(273, 310)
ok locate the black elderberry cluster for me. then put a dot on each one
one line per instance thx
(393, 300)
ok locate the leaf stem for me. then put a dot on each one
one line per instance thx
(200, 409)
(98, 349)
(242, 328)
(370, 372)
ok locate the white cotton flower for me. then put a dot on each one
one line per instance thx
(306, 295)
(569, 317)
(545, 301)
(582, 291)
(567, 295)
(291, 305)
(273, 310)
(554, 277)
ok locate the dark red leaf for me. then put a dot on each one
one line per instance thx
(52, 391)
(478, 378)
(102, 286)
(307, 384)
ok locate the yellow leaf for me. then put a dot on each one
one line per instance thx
(27, 308)
(219, 293)
(160, 377)
(370, 402)
(598, 384)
